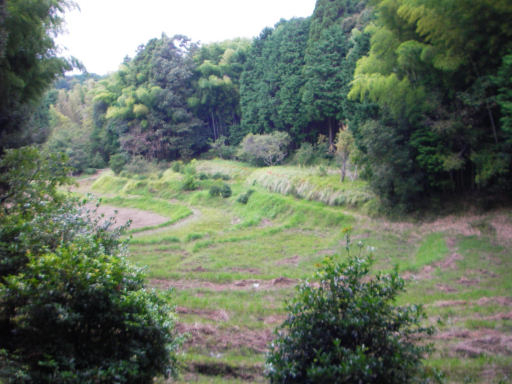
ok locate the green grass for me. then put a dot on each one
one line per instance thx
(431, 249)
(284, 230)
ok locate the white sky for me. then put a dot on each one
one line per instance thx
(103, 32)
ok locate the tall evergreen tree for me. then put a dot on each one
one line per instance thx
(325, 70)
(272, 81)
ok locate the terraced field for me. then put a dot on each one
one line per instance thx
(233, 265)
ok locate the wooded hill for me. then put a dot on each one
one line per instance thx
(423, 87)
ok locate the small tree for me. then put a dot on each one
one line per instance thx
(346, 329)
(117, 162)
(344, 147)
(267, 150)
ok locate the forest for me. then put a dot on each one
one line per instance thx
(328, 202)
(421, 88)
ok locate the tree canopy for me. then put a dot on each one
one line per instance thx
(29, 62)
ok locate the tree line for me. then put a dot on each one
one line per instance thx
(423, 88)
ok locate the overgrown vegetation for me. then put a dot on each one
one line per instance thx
(72, 309)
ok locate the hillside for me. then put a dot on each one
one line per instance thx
(233, 265)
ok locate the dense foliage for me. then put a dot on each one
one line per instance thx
(347, 329)
(430, 69)
(422, 87)
(28, 64)
(71, 307)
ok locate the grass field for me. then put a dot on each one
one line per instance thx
(233, 265)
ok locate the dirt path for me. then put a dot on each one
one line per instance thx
(139, 217)
(195, 216)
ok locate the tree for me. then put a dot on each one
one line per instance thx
(144, 106)
(268, 149)
(72, 309)
(272, 81)
(430, 70)
(28, 62)
(327, 72)
(71, 124)
(217, 95)
(346, 329)
(344, 147)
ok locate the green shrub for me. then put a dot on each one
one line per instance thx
(190, 169)
(117, 162)
(189, 183)
(72, 309)
(177, 166)
(305, 155)
(85, 315)
(347, 330)
(203, 176)
(97, 161)
(219, 148)
(214, 190)
(223, 190)
(89, 171)
(220, 176)
(267, 149)
(244, 197)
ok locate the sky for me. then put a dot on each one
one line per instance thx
(103, 32)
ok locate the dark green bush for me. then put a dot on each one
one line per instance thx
(223, 190)
(72, 309)
(220, 176)
(244, 197)
(117, 162)
(214, 190)
(97, 161)
(346, 329)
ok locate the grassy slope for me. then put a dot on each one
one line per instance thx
(225, 264)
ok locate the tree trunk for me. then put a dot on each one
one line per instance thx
(493, 125)
(343, 169)
(212, 117)
(330, 123)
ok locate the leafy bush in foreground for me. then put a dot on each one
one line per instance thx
(72, 310)
(347, 330)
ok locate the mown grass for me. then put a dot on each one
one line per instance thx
(282, 234)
